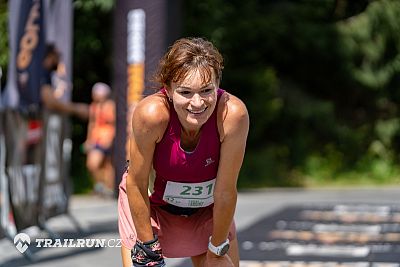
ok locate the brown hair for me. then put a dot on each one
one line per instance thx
(187, 54)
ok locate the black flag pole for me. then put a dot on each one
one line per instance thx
(142, 32)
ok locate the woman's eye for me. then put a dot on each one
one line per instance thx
(184, 92)
(206, 91)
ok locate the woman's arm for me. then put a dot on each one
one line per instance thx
(233, 133)
(149, 122)
(126, 257)
(80, 110)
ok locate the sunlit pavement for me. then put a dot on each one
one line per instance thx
(323, 227)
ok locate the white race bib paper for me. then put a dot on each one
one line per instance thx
(190, 195)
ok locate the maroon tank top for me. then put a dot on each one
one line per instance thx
(172, 163)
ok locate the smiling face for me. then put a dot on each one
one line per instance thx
(194, 100)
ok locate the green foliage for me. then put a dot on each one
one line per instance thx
(275, 160)
(92, 47)
(90, 5)
(320, 80)
(92, 63)
(372, 43)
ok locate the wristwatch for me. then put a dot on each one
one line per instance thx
(220, 250)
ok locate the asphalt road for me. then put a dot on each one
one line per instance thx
(276, 227)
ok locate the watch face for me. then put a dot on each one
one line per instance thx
(224, 250)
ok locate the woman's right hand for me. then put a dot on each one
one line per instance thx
(147, 254)
(81, 110)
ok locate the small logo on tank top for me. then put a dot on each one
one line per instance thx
(209, 161)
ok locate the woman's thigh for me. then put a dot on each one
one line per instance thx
(94, 159)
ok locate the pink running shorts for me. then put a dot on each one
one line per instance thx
(179, 236)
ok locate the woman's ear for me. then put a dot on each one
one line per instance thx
(168, 92)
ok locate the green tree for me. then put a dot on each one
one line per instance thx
(92, 62)
(319, 79)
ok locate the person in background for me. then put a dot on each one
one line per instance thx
(50, 101)
(194, 135)
(100, 137)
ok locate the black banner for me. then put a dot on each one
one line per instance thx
(37, 148)
(23, 137)
(3, 186)
(30, 49)
(54, 190)
(4, 193)
(55, 187)
(23, 131)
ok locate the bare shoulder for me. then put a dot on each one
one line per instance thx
(233, 117)
(151, 116)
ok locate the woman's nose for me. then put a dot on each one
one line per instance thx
(197, 100)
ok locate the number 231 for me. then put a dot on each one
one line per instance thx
(196, 190)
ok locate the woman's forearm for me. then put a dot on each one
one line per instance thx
(224, 210)
(140, 210)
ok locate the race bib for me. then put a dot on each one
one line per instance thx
(190, 195)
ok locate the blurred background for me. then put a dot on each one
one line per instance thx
(320, 80)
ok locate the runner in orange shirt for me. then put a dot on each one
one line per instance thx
(99, 141)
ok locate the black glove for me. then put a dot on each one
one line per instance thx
(147, 254)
